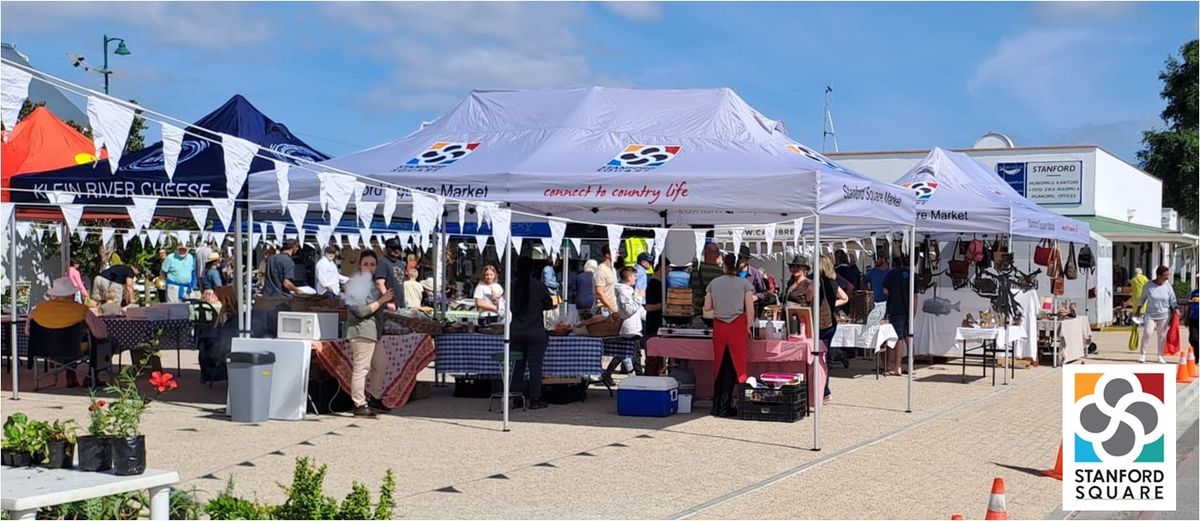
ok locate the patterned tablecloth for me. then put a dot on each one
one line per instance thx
(618, 347)
(407, 355)
(126, 334)
(6, 338)
(471, 354)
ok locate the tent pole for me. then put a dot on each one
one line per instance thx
(912, 309)
(12, 302)
(506, 375)
(816, 336)
(241, 287)
(249, 292)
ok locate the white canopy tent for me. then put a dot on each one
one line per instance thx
(605, 155)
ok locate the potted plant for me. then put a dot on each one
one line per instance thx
(25, 440)
(15, 427)
(60, 444)
(95, 449)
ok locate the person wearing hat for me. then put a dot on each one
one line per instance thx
(799, 286)
(61, 311)
(645, 263)
(212, 271)
(180, 271)
(755, 276)
(389, 273)
(281, 271)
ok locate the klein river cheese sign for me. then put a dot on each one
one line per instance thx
(1047, 182)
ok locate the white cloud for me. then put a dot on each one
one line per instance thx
(636, 11)
(204, 25)
(438, 52)
(1053, 73)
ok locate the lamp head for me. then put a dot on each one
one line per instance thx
(122, 50)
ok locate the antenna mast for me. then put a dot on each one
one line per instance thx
(827, 130)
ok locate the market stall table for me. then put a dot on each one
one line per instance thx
(990, 343)
(471, 354)
(861, 337)
(1072, 337)
(407, 355)
(126, 334)
(764, 356)
(26, 489)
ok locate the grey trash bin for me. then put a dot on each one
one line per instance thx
(250, 385)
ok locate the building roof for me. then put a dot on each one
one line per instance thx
(1121, 231)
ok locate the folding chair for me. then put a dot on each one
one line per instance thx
(205, 320)
(65, 347)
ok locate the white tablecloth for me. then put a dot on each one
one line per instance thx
(1003, 337)
(1073, 333)
(858, 336)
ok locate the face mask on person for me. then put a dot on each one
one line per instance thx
(743, 273)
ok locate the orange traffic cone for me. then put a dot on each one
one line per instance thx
(1181, 373)
(1191, 362)
(996, 508)
(1055, 472)
(954, 517)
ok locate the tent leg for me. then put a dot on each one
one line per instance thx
(817, 347)
(912, 309)
(507, 372)
(240, 286)
(249, 292)
(12, 288)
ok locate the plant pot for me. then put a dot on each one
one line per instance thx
(6, 457)
(129, 455)
(62, 455)
(22, 459)
(95, 453)
(39, 458)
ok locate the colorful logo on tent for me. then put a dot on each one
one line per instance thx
(799, 149)
(1118, 432)
(923, 189)
(641, 158)
(438, 156)
(292, 150)
(84, 158)
(1120, 419)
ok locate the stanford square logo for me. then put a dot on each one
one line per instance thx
(641, 158)
(439, 155)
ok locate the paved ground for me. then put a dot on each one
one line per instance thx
(584, 461)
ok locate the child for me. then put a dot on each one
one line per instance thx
(413, 290)
(631, 313)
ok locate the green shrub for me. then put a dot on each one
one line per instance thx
(387, 493)
(306, 497)
(228, 506)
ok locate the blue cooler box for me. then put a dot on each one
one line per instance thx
(648, 396)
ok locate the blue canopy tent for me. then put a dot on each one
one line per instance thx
(200, 170)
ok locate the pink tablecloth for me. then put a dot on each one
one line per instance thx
(765, 356)
(407, 355)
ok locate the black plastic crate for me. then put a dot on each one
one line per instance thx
(788, 394)
(772, 413)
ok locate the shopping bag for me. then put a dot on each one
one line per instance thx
(1171, 347)
(1133, 338)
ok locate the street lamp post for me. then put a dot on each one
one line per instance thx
(121, 50)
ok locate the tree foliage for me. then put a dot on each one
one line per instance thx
(1172, 154)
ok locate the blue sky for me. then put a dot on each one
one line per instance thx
(347, 76)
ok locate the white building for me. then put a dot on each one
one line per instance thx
(1121, 203)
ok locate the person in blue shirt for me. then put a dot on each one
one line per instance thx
(877, 277)
(644, 263)
(679, 277)
(549, 274)
(212, 272)
(585, 296)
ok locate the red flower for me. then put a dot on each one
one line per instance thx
(96, 405)
(163, 382)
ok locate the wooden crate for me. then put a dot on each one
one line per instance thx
(1019, 363)
(677, 310)
(679, 296)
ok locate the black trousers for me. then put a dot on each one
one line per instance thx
(1193, 332)
(532, 347)
(725, 384)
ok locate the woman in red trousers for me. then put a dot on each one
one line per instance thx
(730, 300)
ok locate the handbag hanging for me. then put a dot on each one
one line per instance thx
(958, 268)
(1058, 285)
(1072, 268)
(1041, 253)
(1055, 266)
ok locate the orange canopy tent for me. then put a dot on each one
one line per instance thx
(41, 142)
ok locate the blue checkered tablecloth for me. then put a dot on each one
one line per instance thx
(126, 334)
(471, 354)
(620, 348)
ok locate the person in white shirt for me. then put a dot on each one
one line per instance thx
(329, 279)
(632, 313)
(489, 296)
(414, 292)
(1161, 304)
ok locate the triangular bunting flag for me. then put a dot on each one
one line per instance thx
(253, 238)
(6, 213)
(218, 238)
(298, 211)
(106, 234)
(154, 236)
(82, 233)
(769, 235)
(200, 215)
(72, 213)
(337, 238)
(480, 241)
(365, 211)
(797, 226)
(557, 230)
(462, 216)
(172, 142)
(352, 240)
(737, 232)
(110, 124)
(14, 88)
(224, 209)
(239, 153)
(323, 234)
(183, 237)
(614, 239)
(427, 209)
(517, 241)
(57, 233)
(578, 244)
(548, 245)
(501, 219)
(365, 234)
(660, 243)
(336, 191)
(142, 211)
(23, 229)
(128, 236)
(389, 205)
(278, 227)
(281, 180)
(699, 237)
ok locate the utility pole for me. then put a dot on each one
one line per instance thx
(827, 130)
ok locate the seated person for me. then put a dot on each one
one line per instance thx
(61, 311)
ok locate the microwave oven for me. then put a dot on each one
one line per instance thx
(307, 326)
